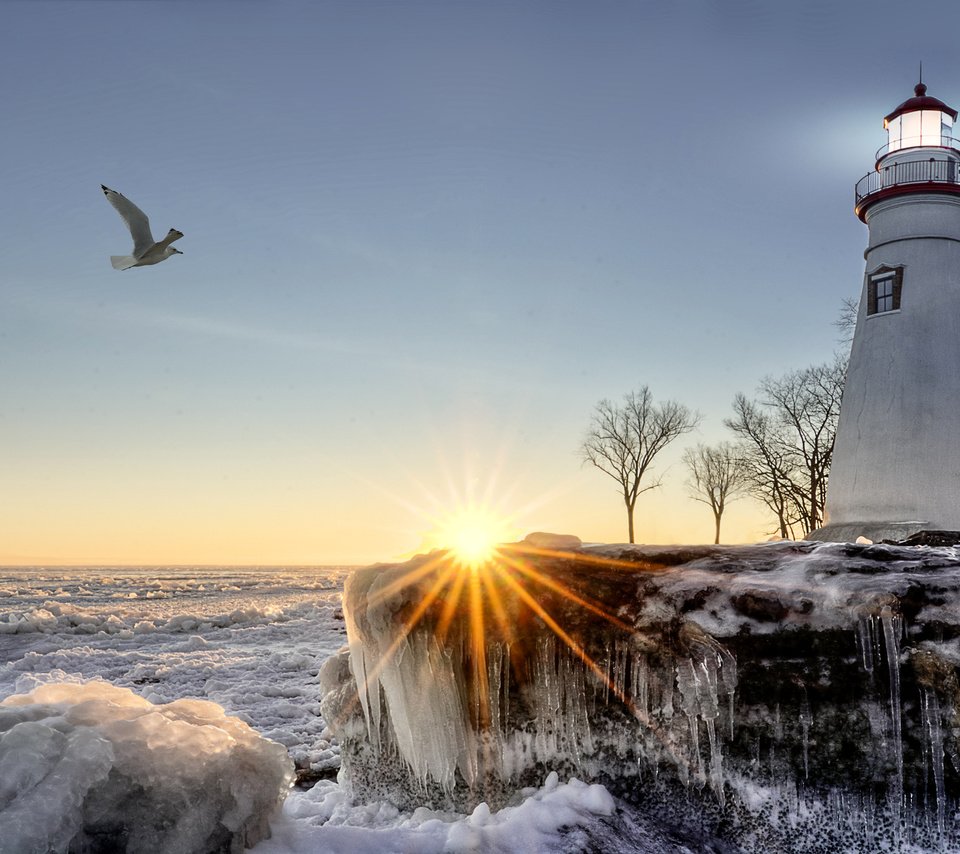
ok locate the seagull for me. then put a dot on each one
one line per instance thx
(145, 249)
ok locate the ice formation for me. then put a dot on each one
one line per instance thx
(787, 696)
(87, 766)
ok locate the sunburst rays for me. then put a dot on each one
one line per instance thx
(490, 618)
(490, 600)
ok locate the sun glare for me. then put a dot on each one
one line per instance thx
(472, 535)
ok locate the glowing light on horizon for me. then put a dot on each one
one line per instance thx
(475, 585)
(472, 534)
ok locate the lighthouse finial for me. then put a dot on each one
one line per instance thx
(920, 89)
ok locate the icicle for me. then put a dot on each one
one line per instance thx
(865, 638)
(666, 707)
(494, 697)
(891, 637)
(639, 679)
(716, 761)
(546, 698)
(573, 717)
(687, 684)
(506, 688)
(478, 688)
(728, 672)
(931, 718)
(707, 696)
(369, 694)
(720, 662)
(620, 670)
(707, 688)
(583, 731)
(806, 718)
(608, 673)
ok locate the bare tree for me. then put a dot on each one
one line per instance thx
(623, 441)
(846, 322)
(717, 477)
(787, 441)
(766, 461)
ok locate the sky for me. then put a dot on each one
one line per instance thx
(422, 241)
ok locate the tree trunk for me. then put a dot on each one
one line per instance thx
(814, 505)
(716, 516)
(630, 521)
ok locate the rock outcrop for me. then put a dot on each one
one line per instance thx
(785, 696)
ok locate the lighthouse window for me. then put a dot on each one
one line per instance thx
(885, 294)
(883, 291)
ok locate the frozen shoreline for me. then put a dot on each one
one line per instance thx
(252, 640)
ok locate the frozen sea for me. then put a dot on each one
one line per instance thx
(252, 640)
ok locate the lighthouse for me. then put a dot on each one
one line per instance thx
(896, 460)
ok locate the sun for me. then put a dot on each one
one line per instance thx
(472, 535)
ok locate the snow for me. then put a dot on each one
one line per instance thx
(323, 819)
(833, 582)
(158, 643)
(84, 761)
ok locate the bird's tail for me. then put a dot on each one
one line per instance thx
(122, 262)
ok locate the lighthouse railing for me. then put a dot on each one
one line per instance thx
(907, 172)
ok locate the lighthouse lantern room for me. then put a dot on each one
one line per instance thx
(920, 149)
(920, 121)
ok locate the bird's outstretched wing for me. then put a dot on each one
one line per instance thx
(172, 235)
(136, 220)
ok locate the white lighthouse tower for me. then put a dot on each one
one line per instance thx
(896, 461)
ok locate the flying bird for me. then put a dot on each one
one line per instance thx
(145, 249)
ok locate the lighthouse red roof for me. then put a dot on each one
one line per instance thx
(921, 101)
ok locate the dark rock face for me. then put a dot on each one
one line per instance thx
(786, 696)
(932, 538)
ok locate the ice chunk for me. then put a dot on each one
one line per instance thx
(91, 766)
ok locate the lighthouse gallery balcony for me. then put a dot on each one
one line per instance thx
(908, 176)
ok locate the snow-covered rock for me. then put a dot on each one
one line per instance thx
(85, 765)
(784, 696)
(545, 540)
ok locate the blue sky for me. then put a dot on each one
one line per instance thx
(422, 239)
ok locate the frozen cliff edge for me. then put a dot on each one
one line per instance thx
(792, 696)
